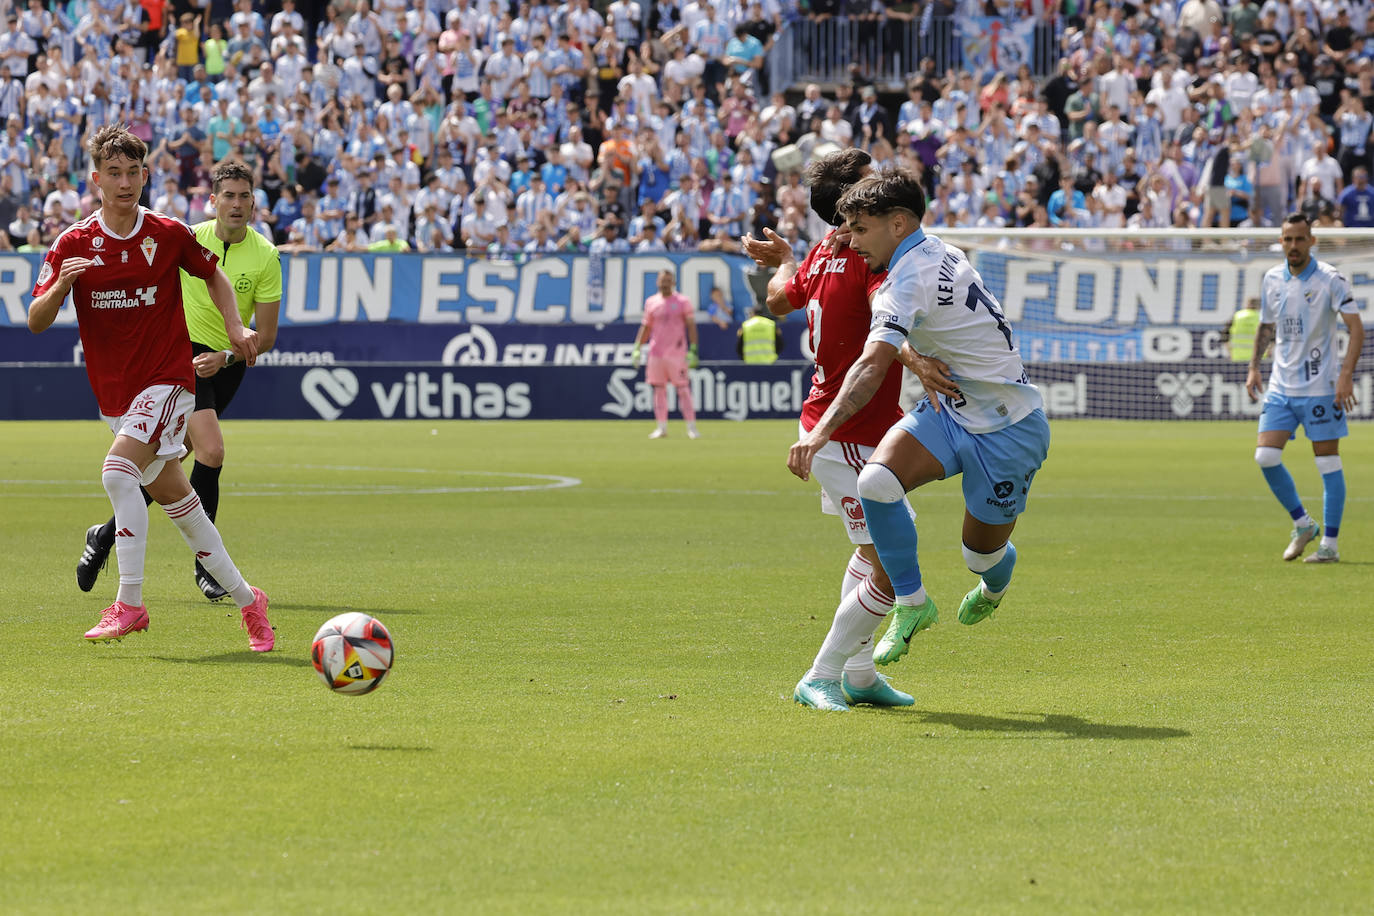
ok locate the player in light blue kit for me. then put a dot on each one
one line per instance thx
(1299, 305)
(984, 421)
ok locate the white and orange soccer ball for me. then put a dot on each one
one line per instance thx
(352, 652)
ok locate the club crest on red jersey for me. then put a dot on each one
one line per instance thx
(149, 250)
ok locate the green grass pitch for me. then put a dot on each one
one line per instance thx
(590, 710)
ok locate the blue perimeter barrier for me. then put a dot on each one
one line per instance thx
(1182, 391)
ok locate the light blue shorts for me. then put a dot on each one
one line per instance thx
(998, 467)
(1320, 417)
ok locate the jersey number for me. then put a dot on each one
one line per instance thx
(976, 297)
(813, 336)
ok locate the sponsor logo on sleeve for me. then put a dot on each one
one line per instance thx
(887, 321)
(44, 273)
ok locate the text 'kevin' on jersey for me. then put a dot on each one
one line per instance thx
(934, 297)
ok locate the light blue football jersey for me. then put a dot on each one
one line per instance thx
(1304, 311)
(935, 298)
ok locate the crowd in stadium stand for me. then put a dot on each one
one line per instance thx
(631, 125)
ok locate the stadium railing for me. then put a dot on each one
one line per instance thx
(807, 51)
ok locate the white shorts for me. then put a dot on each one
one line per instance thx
(836, 468)
(158, 417)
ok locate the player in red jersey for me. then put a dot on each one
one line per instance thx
(121, 267)
(833, 285)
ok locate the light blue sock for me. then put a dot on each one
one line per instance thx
(997, 579)
(1281, 484)
(894, 537)
(1333, 501)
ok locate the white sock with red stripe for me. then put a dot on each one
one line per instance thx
(855, 620)
(860, 668)
(203, 537)
(857, 570)
(122, 480)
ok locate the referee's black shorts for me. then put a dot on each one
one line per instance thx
(215, 393)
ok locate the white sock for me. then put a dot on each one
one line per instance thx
(915, 599)
(1303, 522)
(857, 570)
(203, 538)
(855, 620)
(1328, 542)
(860, 668)
(122, 478)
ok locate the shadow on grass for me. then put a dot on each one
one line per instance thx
(1049, 725)
(332, 609)
(404, 748)
(238, 658)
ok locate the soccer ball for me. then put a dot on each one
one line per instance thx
(352, 652)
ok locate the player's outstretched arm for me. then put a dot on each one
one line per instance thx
(1345, 382)
(773, 251)
(44, 308)
(1254, 384)
(243, 340)
(861, 382)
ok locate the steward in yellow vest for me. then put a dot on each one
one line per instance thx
(1241, 338)
(759, 339)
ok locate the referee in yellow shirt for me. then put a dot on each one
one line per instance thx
(254, 268)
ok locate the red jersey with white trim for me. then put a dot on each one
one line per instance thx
(128, 303)
(833, 287)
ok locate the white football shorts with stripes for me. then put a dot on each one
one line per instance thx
(158, 417)
(836, 468)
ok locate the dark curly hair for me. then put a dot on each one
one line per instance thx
(829, 177)
(883, 192)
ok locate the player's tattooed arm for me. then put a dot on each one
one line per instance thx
(1254, 385)
(861, 382)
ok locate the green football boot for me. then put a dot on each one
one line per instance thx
(879, 693)
(907, 621)
(976, 606)
(820, 694)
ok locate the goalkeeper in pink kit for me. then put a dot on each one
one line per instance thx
(670, 330)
